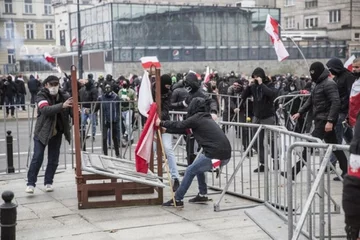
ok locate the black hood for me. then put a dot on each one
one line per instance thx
(324, 75)
(335, 66)
(260, 73)
(192, 82)
(197, 105)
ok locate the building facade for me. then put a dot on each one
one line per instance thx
(27, 31)
(321, 19)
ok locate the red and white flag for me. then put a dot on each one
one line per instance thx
(207, 75)
(272, 28)
(82, 42)
(49, 58)
(349, 62)
(145, 95)
(197, 74)
(73, 41)
(148, 62)
(145, 144)
(354, 102)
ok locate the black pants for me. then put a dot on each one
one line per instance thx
(260, 148)
(328, 137)
(115, 128)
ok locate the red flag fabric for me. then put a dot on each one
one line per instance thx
(82, 42)
(144, 146)
(354, 165)
(354, 103)
(49, 58)
(349, 62)
(147, 62)
(207, 75)
(272, 28)
(73, 41)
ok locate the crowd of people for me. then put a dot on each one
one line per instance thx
(333, 102)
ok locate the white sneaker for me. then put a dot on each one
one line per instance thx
(49, 188)
(30, 189)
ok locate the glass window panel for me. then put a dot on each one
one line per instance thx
(264, 53)
(188, 54)
(137, 54)
(233, 54)
(199, 54)
(210, 54)
(243, 53)
(254, 53)
(137, 12)
(150, 12)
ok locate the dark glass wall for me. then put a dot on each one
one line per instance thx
(187, 33)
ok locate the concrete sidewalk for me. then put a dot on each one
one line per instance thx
(56, 216)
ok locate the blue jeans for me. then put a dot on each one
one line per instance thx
(38, 158)
(198, 169)
(341, 133)
(170, 155)
(20, 100)
(84, 117)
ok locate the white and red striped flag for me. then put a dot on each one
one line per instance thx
(145, 98)
(148, 62)
(354, 102)
(349, 62)
(73, 41)
(272, 28)
(207, 75)
(145, 144)
(49, 58)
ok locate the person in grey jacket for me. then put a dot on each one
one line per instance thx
(53, 121)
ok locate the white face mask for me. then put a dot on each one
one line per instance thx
(54, 90)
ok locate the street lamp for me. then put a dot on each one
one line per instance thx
(80, 59)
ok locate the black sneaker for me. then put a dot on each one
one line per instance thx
(170, 203)
(199, 199)
(260, 169)
(176, 184)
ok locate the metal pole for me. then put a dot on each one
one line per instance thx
(80, 59)
(9, 153)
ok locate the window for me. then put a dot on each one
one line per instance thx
(9, 30)
(11, 56)
(8, 6)
(357, 36)
(28, 6)
(289, 22)
(311, 22)
(47, 7)
(334, 16)
(48, 31)
(311, 4)
(29, 30)
(289, 2)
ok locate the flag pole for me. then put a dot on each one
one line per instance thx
(166, 165)
(297, 46)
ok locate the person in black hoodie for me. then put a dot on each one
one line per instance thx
(210, 137)
(10, 91)
(179, 94)
(21, 92)
(344, 80)
(192, 85)
(325, 103)
(88, 96)
(34, 87)
(264, 93)
(351, 188)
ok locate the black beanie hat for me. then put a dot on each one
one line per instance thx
(316, 69)
(165, 80)
(51, 78)
(259, 72)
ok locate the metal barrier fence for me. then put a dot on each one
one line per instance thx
(293, 200)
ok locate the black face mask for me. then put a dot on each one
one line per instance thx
(356, 74)
(125, 86)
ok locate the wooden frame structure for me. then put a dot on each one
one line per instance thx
(113, 187)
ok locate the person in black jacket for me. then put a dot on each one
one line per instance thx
(21, 92)
(351, 188)
(192, 85)
(344, 80)
(53, 121)
(88, 95)
(34, 87)
(264, 93)
(10, 91)
(210, 137)
(325, 103)
(179, 94)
